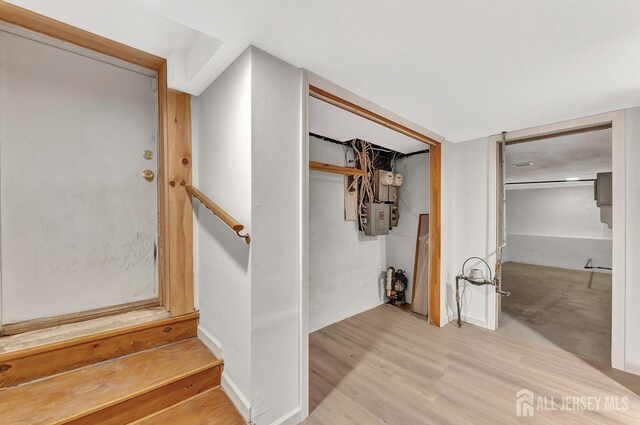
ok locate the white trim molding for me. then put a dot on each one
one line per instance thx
(453, 317)
(210, 341)
(291, 418)
(237, 397)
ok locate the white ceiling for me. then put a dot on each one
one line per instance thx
(579, 155)
(464, 70)
(330, 121)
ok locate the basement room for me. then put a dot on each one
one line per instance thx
(322, 213)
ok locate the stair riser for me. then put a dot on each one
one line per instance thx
(17, 368)
(153, 401)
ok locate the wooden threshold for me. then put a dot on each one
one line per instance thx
(65, 319)
(32, 363)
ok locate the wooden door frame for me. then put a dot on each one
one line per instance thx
(435, 189)
(175, 220)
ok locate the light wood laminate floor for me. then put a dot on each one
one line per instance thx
(385, 366)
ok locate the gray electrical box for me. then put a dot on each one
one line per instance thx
(378, 216)
(395, 215)
(383, 188)
(604, 189)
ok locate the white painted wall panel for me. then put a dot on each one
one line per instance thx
(556, 211)
(276, 93)
(414, 200)
(558, 251)
(632, 340)
(345, 267)
(78, 221)
(556, 227)
(224, 175)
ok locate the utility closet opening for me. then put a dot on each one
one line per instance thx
(557, 260)
(368, 215)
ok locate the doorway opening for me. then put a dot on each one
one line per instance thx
(556, 240)
(374, 220)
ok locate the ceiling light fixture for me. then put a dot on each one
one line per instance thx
(572, 179)
(522, 164)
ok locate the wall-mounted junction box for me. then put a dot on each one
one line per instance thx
(603, 194)
(350, 198)
(378, 217)
(383, 186)
(395, 215)
(604, 189)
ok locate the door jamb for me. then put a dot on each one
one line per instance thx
(616, 120)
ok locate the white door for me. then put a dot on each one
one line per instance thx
(78, 222)
(501, 236)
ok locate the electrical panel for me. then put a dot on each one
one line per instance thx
(383, 188)
(378, 219)
(386, 186)
(395, 216)
(604, 189)
(603, 194)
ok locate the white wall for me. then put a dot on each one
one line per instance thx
(632, 317)
(249, 149)
(557, 227)
(344, 265)
(466, 226)
(276, 125)
(224, 174)
(414, 200)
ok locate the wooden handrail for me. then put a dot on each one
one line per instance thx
(330, 168)
(216, 210)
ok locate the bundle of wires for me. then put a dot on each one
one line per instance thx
(368, 157)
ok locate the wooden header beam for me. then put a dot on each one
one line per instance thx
(323, 95)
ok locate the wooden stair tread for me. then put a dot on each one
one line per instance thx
(71, 395)
(29, 364)
(209, 408)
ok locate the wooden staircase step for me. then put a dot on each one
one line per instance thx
(117, 391)
(37, 362)
(212, 407)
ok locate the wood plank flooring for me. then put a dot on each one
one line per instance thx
(385, 366)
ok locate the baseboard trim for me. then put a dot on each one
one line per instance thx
(470, 319)
(632, 368)
(210, 341)
(230, 388)
(237, 397)
(291, 418)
